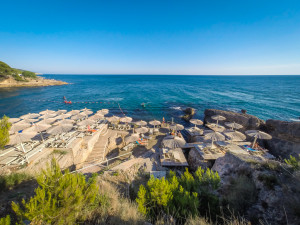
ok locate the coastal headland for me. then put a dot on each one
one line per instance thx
(12, 77)
(30, 82)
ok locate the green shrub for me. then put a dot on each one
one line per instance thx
(4, 131)
(268, 180)
(179, 197)
(11, 180)
(28, 74)
(18, 78)
(241, 194)
(60, 198)
(59, 152)
(295, 163)
(5, 220)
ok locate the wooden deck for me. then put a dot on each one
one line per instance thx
(208, 153)
(173, 157)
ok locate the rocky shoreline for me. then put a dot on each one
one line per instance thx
(38, 82)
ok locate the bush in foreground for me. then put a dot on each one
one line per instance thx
(180, 197)
(60, 198)
(9, 181)
(4, 131)
(292, 161)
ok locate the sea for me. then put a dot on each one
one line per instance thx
(150, 97)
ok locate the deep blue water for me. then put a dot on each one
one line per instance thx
(276, 97)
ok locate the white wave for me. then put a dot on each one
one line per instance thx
(295, 120)
(176, 107)
(114, 99)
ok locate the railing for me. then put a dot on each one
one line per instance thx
(99, 163)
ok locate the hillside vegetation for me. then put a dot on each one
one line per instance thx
(6, 71)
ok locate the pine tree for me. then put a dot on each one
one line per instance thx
(60, 198)
(5, 220)
(179, 197)
(4, 131)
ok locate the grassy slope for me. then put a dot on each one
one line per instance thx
(6, 71)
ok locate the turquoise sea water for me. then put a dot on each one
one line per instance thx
(276, 97)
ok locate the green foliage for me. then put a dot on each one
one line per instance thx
(17, 77)
(28, 74)
(9, 181)
(268, 180)
(5, 220)
(4, 131)
(180, 197)
(60, 198)
(6, 70)
(295, 163)
(59, 152)
(241, 194)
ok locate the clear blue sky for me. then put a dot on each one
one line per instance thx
(152, 37)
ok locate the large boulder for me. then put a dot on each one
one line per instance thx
(249, 122)
(189, 113)
(274, 187)
(195, 160)
(285, 138)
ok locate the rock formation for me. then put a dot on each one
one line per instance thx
(285, 138)
(189, 113)
(273, 192)
(249, 122)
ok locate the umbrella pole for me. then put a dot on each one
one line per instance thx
(24, 152)
(254, 141)
(217, 123)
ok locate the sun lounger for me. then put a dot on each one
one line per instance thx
(8, 160)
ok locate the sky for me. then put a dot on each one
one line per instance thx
(215, 37)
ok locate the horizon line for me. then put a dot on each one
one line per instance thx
(137, 74)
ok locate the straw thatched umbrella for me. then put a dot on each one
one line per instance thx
(176, 127)
(74, 112)
(86, 113)
(126, 119)
(257, 134)
(173, 142)
(19, 138)
(47, 121)
(132, 138)
(78, 117)
(141, 130)
(30, 116)
(65, 121)
(62, 111)
(113, 119)
(155, 123)
(141, 123)
(86, 122)
(61, 128)
(38, 128)
(19, 126)
(233, 125)
(47, 112)
(217, 118)
(14, 120)
(214, 136)
(47, 116)
(235, 135)
(103, 111)
(63, 116)
(97, 117)
(29, 121)
(196, 122)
